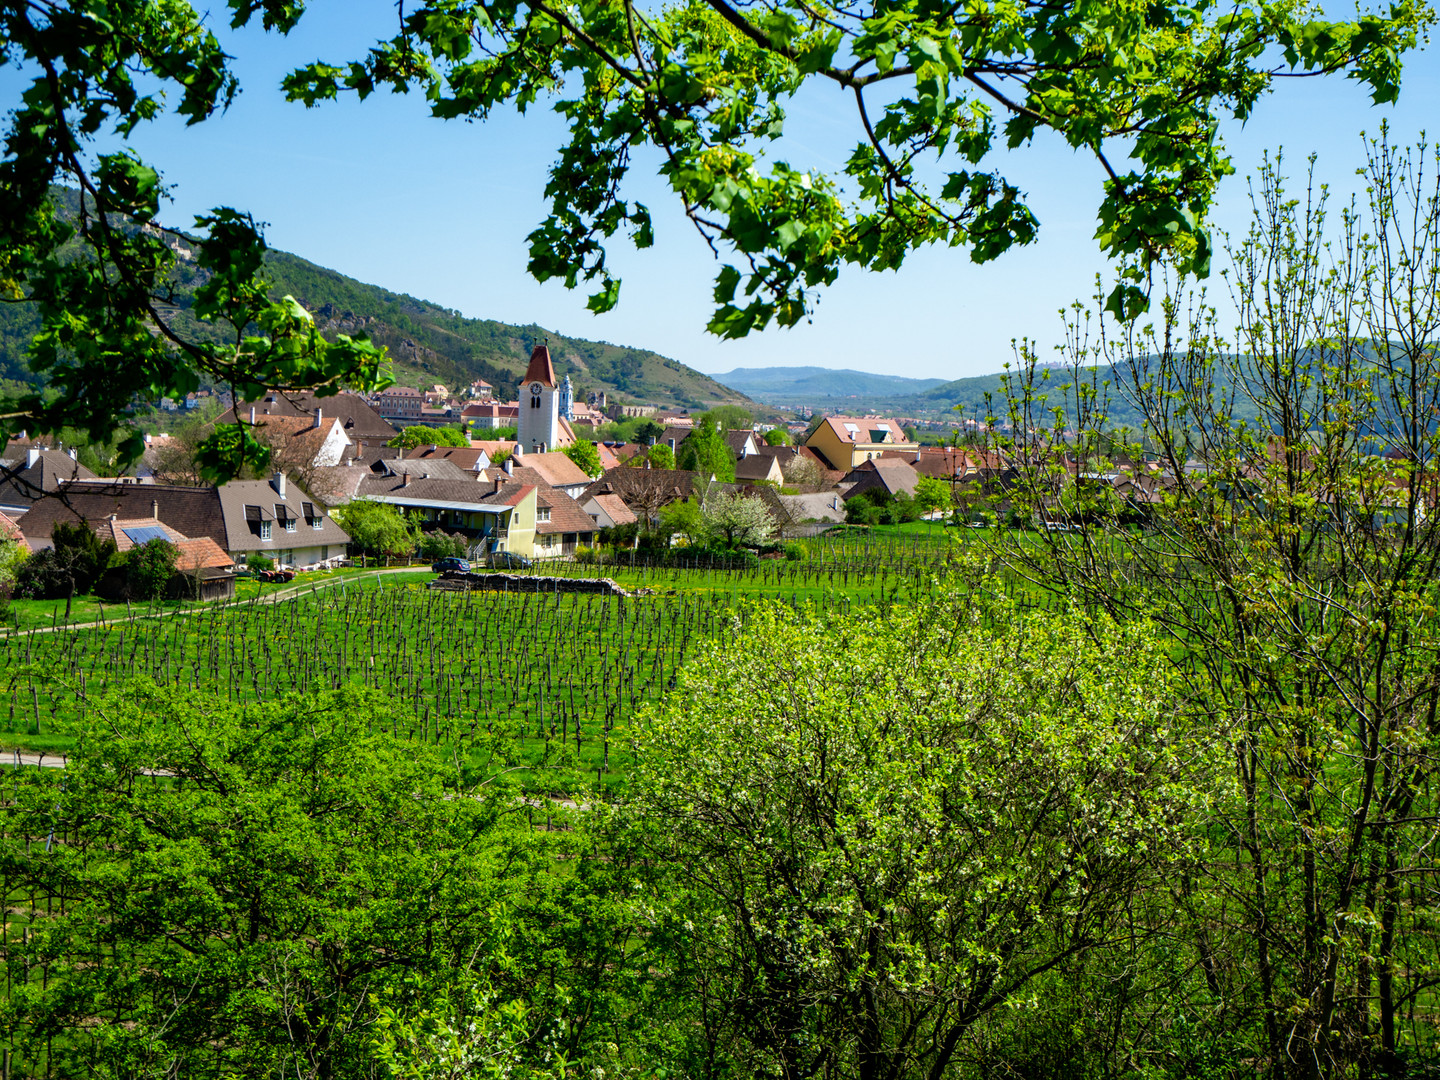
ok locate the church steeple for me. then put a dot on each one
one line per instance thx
(540, 370)
(539, 420)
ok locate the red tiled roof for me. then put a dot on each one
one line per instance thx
(201, 553)
(10, 531)
(566, 516)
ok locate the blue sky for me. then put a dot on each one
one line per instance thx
(440, 209)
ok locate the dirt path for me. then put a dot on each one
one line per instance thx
(287, 593)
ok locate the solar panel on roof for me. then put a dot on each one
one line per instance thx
(143, 534)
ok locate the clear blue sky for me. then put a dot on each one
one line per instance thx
(440, 210)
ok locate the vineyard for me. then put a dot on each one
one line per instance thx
(501, 679)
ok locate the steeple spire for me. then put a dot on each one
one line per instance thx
(540, 369)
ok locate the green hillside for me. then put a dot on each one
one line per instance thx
(429, 343)
(813, 385)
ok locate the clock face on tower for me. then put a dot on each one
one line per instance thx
(535, 388)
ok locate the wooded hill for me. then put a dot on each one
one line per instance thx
(783, 386)
(427, 342)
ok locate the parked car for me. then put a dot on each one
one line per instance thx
(440, 566)
(507, 560)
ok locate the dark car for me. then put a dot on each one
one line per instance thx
(508, 560)
(440, 566)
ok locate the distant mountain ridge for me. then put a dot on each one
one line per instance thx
(427, 343)
(804, 385)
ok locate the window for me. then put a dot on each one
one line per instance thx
(542, 514)
(534, 402)
(264, 530)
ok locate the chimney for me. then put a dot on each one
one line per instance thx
(434, 448)
(252, 415)
(499, 483)
(404, 479)
(32, 455)
(73, 455)
(319, 416)
(155, 509)
(278, 483)
(509, 466)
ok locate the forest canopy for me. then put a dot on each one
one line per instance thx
(705, 83)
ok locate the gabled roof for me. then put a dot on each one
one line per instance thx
(248, 502)
(356, 417)
(757, 467)
(460, 494)
(615, 509)
(191, 511)
(891, 474)
(462, 457)
(864, 430)
(9, 531)
(132, 532)
(566, 515)
(201, 553)
(646, 484)
(555, 468)
(23, 480)
(436, 468)
(738, 439)
(540, 369)
(299, 436)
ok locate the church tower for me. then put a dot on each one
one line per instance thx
(539, 423)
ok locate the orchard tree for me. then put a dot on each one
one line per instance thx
(705, 451)
(420, 435)
(1291, 557)
(731, 417)
(377, 528)
(705, 83)
(882, 854)
(737, 519)
(583, 453)
(149, 568)
(659, 456)
(931, 494)
(70, 567)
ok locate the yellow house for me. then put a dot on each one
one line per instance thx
(496, 515)
(848, 441)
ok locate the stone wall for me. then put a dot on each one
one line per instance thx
(457, 581)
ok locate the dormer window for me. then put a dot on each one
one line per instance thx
(542, 513)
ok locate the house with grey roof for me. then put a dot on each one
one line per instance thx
(277, 518)
(192, 511)
(32, 473)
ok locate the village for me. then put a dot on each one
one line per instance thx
(502, 501)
